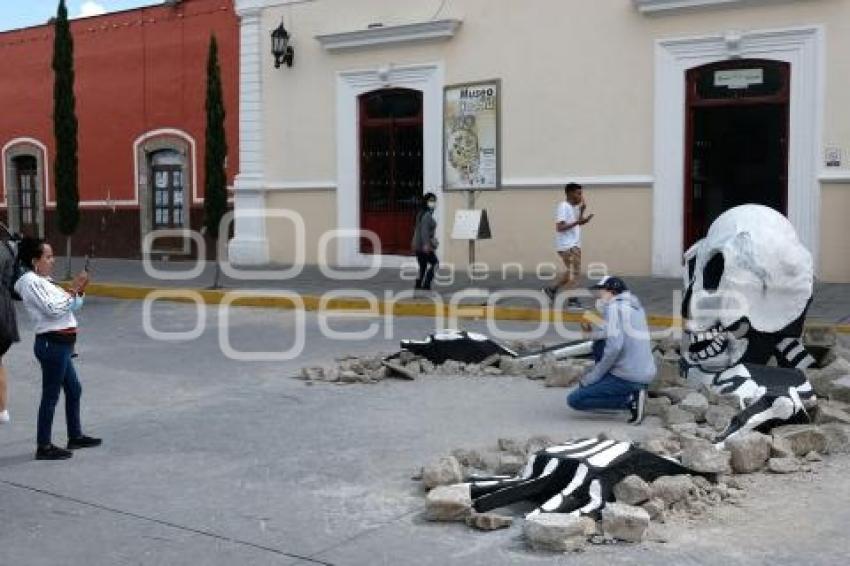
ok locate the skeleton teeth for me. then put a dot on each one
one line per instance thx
(713, 350)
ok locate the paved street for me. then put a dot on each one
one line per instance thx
(212, 461)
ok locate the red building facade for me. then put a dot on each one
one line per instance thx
(140, 100)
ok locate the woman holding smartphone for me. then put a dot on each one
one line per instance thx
(52, 309)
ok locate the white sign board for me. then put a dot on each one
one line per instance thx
(471, 225)
(739, 78)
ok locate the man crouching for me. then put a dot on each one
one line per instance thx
(623, 353)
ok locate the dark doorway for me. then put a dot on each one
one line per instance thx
(168, 197)
(168, 202)
(390, 167)
(26, 173)
(737, 142)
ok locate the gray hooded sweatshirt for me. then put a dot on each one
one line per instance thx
(628, 350)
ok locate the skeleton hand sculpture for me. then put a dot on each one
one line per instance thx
(458, 345)
(577, 477)
(471, 347)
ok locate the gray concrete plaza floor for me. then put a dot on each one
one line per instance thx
(208, 460)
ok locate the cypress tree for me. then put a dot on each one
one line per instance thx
(65, 131)
(215, 177)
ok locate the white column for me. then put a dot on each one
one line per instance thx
(249, 245)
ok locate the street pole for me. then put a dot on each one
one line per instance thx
(470, 202)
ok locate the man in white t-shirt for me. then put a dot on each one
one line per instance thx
(569, 218)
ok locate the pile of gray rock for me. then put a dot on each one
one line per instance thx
(832, 379)
(628, 519)
(693, 420)
(638, 504)
(406, 365)
(349, 369)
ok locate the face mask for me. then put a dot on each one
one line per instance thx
(431, 204)
(601, 304)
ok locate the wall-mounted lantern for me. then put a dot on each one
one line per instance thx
(282, 51)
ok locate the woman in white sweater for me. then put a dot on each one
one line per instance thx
(52, 309)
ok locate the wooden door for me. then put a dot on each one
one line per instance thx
(391, 171)
(736, 140)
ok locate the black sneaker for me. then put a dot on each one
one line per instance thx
(51, 452)
(83, 442)
(638, 407)
(549, 292)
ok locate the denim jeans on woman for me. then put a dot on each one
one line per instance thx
(57, 374)
(609, 393)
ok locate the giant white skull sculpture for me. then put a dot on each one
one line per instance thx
(748, 286)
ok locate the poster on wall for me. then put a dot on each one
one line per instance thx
(471, 145)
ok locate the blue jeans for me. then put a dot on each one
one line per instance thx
(610, 392)
(57, 374)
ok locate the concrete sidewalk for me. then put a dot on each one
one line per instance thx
(511, 297)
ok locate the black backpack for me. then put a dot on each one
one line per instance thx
(11, 275)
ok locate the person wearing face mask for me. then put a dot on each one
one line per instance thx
(622, 351)
(52, 309)
(425, 242)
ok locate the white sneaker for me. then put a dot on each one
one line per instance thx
(4, 416)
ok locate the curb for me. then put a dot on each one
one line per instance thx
(289, 300)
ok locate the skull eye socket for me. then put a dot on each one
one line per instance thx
(713, 272)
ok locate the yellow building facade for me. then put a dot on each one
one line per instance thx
(666, 111)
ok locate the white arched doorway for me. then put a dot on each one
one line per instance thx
(426, 79)
(802, 49)
(25, 181)
(166, 185)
